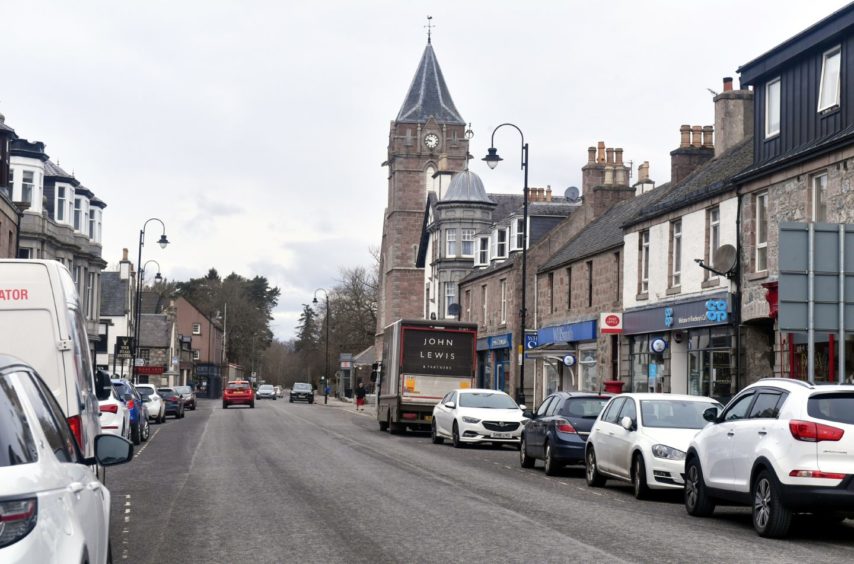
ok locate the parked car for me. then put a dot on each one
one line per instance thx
(781, 446)
(188, 395)
(173, 400)
(53, 508)
(557, 432)
(302, 391)
(468, 416)
(115, 415)
(238, 392)
(134, 405)
(266, 391)
(280, 392)
(156, 405)
(643, 438)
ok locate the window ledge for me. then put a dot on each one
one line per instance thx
(757, 275)
(772, 136)
(830, 110)
(642, 297)
(674, 290)
(711, 282)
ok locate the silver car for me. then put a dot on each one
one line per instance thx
(266, 391)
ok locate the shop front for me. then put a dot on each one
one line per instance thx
(685, 347)
(493, 361)
(566, 358)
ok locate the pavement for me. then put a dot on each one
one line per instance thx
(293, 482)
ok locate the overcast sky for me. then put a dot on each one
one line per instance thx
(256, 130)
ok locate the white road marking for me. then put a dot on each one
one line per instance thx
(140, 451)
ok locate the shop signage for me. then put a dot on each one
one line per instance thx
(711, 310)
(532, 339)
(569, 360)
(568, 333)
(149, 370)
(658, 345)
(495, 342)
(124, 347)
(610, 323)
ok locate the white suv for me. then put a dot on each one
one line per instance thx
(782, 446)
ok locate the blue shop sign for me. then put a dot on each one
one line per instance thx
(711, 310)
(495, 342)
(567, 333)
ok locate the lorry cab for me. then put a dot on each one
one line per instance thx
(41, 323)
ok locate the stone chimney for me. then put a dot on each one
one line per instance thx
(691, 154)
(125, 270)
(600, 158)
(591, 155)
(603, 182)
(548, 193)
(644, 183)
(733, 117)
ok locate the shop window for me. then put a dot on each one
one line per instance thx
(826, 360)
(649, 371)
(551, 379)
(588, 381)
(711, 363)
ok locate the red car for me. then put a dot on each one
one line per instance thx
(238, 392)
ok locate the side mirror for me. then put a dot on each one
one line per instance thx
(627, 423)
(711, 414)
(103, 385)
(450, 405)
(111, 450)
(523, 407)
(528, 414)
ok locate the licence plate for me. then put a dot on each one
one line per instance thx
(501, 435)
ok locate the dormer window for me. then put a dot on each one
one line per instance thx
(772, 108)
(828, 93)
(78, 213)
(27, 185)
(499, 249)
(61, 202)
(483, 251)
(520, 233)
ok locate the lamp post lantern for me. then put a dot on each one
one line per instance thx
(163, 241)
(492, 159)
(326, 356)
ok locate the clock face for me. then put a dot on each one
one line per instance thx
(431, 140)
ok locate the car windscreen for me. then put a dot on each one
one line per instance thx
(165, 391)
(16, 440)
(675, 414)
(266, 387)
(837, 407)
(585, 408)
(122, 389)
(487, 400)
(145, 392)
(302, 387)
(183, 389)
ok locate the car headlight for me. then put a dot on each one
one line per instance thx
(670, 453)
(467, 419)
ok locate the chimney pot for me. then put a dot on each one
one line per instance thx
(609, 152)
(685, 136)
(727, 83)
(618, 154)
(124, 254)
(696, 136)
(708, 137)
(548, 193)
(600, 156)
(591, 155)
(643, 172)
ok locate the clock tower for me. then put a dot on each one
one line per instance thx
(427, 142)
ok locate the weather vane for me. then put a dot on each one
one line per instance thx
(429, 27)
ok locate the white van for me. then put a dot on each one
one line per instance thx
(41, 323)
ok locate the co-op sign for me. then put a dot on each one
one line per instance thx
(710, 310)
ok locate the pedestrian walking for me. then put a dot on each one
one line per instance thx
(360, 396)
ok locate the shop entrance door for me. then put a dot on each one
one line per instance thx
(500, 372)
(710, 374)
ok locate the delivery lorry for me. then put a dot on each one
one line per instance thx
(422, 361)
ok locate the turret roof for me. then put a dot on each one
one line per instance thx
(428, 94)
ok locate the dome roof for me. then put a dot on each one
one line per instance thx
(466, 186)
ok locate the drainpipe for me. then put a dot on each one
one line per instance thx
(736, 307)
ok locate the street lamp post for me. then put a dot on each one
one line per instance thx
(492, 159)
(163, 241)
(326, 356)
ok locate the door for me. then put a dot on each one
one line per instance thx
(442, 414)
(715, 458)
(623, 440)
(605, 429)
(500, 371)
(536, 437)
(749, 435)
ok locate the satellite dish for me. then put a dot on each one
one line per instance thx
(572, 193)
(725, 259)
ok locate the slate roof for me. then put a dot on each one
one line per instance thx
(113, 294)
(493, 267)
(151, 303)
(3, 126)
(712, 178)
(606, 232)
(466, 186)
(154, 330)
(53, 169)
(428, 94)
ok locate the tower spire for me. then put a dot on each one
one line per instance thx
(429, 27)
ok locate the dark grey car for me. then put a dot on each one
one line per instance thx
(302, 392)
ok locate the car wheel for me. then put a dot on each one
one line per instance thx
(697, 500)
(639, 478)
(524, 460)
(252, 405)
(770, 518)
(594, 478)
(437, 440)
(456, 437)
(552, 466)
(224, 405)
(134, 434)
(146, 431)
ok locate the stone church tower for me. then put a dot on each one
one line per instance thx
(426, 143)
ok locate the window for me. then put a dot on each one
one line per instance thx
(468, 305)
(430, 180)
(450, 242)
(629, 410)
(643, 260)
(675, 253)
(17, 445)
(27, 186)
(713, 234)
(468, 242)
(61, 202)
(569, 288)
(589, 283)
(766, 406)
(90, 296)
(144, 354)
(197, 354)
(738, 409)
(613, 413)
(483, 297)
(49, 415)
(541, 411)
(197, 328)
(450, 296)
(503, 300)
(617, 270)
(551, 290)
(761, 204)
(828, 93)
(78, 211)
(92, 224)
(819, 197)
(11, 181)
(500, 248)
(483, 251)
(772, 108)
(520, 233)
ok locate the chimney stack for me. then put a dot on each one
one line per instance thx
(643, 172)
(591, 155)
(609, 175)
(733, 117)
(691, 153)
(124, 255)
(618, 154)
